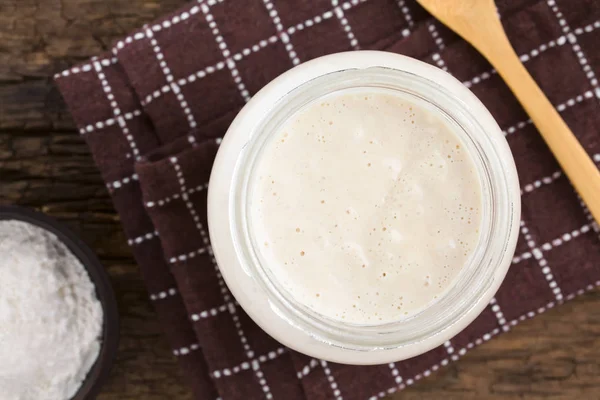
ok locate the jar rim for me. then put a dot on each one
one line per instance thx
(332, 339)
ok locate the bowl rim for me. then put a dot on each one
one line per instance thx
(99, 372)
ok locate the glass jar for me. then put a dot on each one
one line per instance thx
(251, 281)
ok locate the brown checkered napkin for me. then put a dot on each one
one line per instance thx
(154, 110)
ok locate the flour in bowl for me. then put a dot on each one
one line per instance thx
(50, 318)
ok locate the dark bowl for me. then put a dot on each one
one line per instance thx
(110, 330)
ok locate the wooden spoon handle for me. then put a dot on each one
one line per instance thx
(572, 157)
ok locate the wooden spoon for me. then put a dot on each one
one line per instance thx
(478, 23)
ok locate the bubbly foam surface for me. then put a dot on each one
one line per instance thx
(365, 206)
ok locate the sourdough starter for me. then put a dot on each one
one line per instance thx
(365, 206)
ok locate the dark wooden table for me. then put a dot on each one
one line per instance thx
(45, 164)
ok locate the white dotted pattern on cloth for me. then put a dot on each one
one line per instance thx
(224, 291)
(115, 107)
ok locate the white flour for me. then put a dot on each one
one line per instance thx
(50, 317)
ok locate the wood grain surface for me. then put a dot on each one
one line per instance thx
(46, 165)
